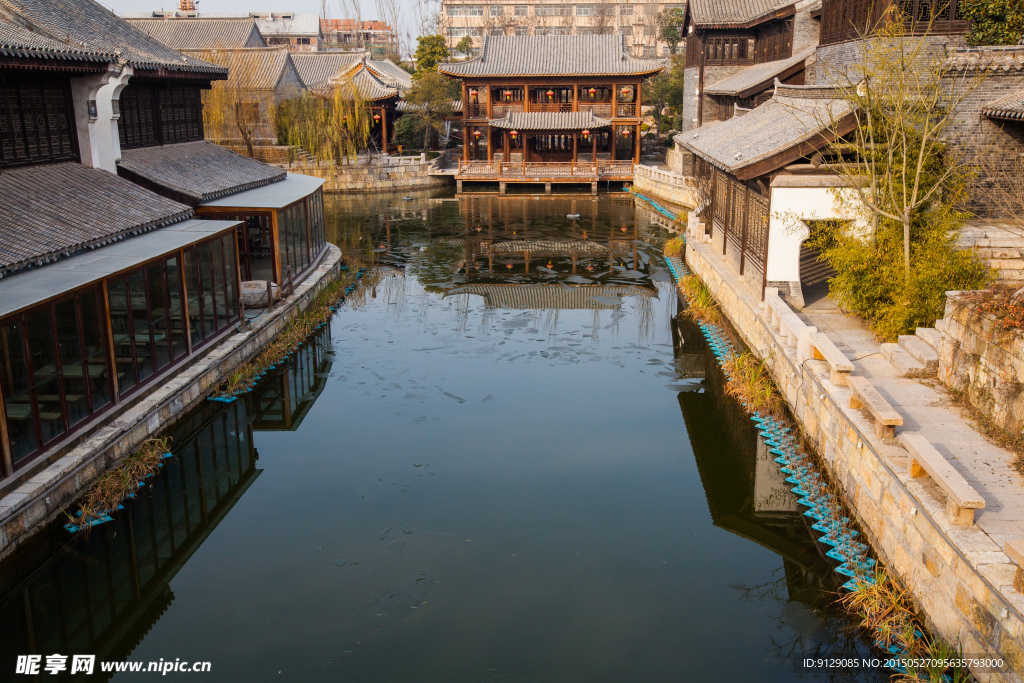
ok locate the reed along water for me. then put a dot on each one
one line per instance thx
(508, 458)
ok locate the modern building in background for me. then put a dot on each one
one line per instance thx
(636, 22)
(298, 32)
(377, 37)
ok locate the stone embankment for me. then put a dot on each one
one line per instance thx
(664, 185)
(919, 496)
(35, 503)
(382, 174)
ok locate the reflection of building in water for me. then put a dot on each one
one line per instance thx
(282, 399)
(746, 494)
(556, 296)
(101, 595)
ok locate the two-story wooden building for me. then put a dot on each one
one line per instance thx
(551, 109)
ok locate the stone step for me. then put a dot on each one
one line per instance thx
(905, 364)
(998, 252)
(922, 352)
(930, 336)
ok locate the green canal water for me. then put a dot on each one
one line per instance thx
(506, 459)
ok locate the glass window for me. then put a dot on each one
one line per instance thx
(586, 10)
(17, 391)
(158, 314)
(194, 297)
(44, 374)
(175, 319)
(71, 362)
(302, 235)
(120, 325)
(141, 328)
(207, 289)
(220, 284)
(554, 10)
(625, 10)
(497, 10)
(231, 278)
(97, 364)
(522, 10)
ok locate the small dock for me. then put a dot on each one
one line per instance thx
(546, 172)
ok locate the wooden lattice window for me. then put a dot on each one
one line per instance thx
(36, 122)
(775, 41)
(727, 50)
(154, 114)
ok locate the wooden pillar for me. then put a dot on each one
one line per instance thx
(614, 140)
(506, 141)
(275, 245)
(743, 235)
(574, 136)
(636, 145)
(593, 142)
(490, 147)
(575, 98)
(487, 93)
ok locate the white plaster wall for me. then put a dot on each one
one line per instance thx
(789, 207)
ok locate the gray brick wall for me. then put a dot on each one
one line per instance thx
(805, 31)
(690, 77)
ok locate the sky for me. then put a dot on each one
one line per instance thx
(334, 8)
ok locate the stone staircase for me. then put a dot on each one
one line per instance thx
(915, 355)
(997, 244)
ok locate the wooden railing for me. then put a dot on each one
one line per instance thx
(625, 110)
(517, 170)
(549, 106)
(500, 111)
(476, 111)
(602, 109)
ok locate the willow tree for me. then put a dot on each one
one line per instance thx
(237, 110)
(332, 123)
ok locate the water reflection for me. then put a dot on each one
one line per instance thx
(102, 593)
(480, 472)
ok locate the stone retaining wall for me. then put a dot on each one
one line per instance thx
(680, 193)
(959, 577)
(38, 501)
(984, 362)
(377, 178)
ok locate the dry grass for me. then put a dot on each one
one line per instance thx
(998, 302)
(114, 486)
(701, 305)
(1013, 442)
(750, 383)
(674, 247)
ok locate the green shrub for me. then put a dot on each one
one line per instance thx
(409, 132)
(993, 22)
(872, 282)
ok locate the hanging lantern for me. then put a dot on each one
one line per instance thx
(593, 92)
(625, 132)
(473, 93)
(586, 134)
(476, 133)
(551, 95)
(376, 118)
(508, 95)
(625, 91)
(513, 134)
(509, 266)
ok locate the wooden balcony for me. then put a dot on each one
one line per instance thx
(545, 171)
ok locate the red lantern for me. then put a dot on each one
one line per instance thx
(508, 95)
(551, 95)
(592, 91)
(376, 118)
(586, 133)
(625, 131)
(476, 133)
(514, 133)
(624, 91)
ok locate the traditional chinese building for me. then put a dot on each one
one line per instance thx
(111, 279)
(563, 109)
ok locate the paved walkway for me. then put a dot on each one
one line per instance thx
(926, 407)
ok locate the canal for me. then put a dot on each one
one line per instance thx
(506, 459)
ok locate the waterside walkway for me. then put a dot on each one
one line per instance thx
(959, 573)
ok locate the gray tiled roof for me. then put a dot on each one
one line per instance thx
(196, 34)
(795, 114)
(370, 87)
(553, 120)
(54, 210)
(89, 23)
(1009, 107)
(16, 41)
(600, 55)
(390, 73)
(734, 12)
(756, 75)
(317, 68)
(198, 171)
(251, 68)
